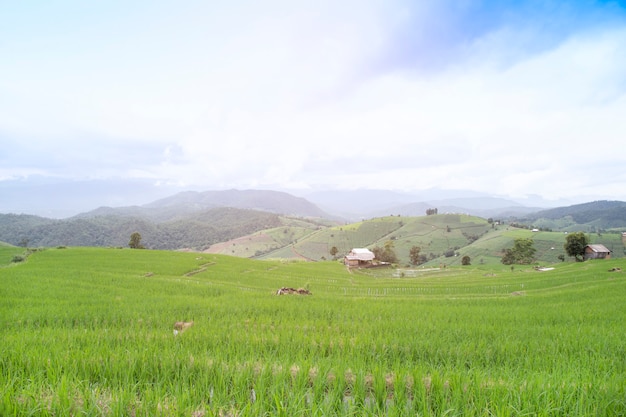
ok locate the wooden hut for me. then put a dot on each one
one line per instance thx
(359, 257)
(597, 252)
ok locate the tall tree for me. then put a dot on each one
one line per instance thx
(522, 252)
(386, 254)
(414, 255)
(575, 245)
(135, 241)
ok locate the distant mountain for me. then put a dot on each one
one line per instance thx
(362, 203)
(485, 207)
(264, 200)
(184, 220)
(358, 204)
(585, 211)
(55, 198)
(592, 216)
(198, 220)
(198, 230)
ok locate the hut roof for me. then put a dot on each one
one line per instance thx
(599, 248)
(361, 254)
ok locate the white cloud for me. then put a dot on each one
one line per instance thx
(248, 97)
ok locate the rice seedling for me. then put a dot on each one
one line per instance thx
(90, 331)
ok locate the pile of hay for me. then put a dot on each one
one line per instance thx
(288, 290)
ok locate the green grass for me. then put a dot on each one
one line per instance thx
(89, 331)
(8, 254)
(435, 235)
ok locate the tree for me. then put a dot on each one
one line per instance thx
(386, 254)
(135, 241)
(575, 245)
(414, 255)
(523, 252)
(334, 251)
(466, 260)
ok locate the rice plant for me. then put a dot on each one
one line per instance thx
(93, 332)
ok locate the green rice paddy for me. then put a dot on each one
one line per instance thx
(87, 331)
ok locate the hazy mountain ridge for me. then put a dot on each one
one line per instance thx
(362, 204)
(263, 200)
(198, 230)
(591, 216)
(598, 208)
(199, 219)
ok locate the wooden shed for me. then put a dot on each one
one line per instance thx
(359, 257)
(597, 252)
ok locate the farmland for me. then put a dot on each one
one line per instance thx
(443, 239)
(89, 331)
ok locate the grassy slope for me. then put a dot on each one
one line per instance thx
(268, 240)
(90, 330)
(465, 235)
(7, 252)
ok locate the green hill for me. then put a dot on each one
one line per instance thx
(9, 254)
(442, 239)
(596, 216)
(434, 234)
(89, 331)
(197, 230)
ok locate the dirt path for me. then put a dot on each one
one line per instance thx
(299, 255)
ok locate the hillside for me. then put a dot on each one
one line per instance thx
(261, 200)
(257, 223)
(442, 239)
(588, 217)
(197, 230)
(90, 331)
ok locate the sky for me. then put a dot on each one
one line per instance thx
(509, 98)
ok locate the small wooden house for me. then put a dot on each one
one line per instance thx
(597, 252)
(359, 257)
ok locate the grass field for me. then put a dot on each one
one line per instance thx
(435, 235)
(89, 331)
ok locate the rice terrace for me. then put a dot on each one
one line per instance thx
(121, 332)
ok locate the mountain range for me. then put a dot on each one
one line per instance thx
(197, 220)
(60, 199)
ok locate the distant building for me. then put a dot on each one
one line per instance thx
(597, 252)
(359, 257)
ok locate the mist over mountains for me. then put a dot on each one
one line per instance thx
(199, 219)
(60, 199)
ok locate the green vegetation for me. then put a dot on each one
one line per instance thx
(387, 253)
(592, 217)
(442, 239)
(89, 331)
(135, 241)
(197, 230)
(522, 252)
(575, 244)
(187, 222)
(10, 253)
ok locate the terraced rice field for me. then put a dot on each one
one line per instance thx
(90, 331)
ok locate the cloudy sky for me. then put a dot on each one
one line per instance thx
(511, 98)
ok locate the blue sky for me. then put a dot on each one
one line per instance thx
(508, 98)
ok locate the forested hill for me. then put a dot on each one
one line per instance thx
(596, 215)
(198, 230)
(263, 200)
